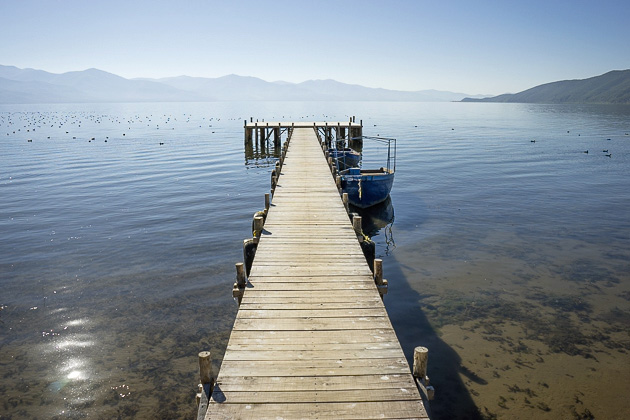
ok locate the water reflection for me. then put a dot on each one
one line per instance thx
(376, 219)
(261, 153)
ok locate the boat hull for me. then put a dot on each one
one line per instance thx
(367, 188)
(347, 158)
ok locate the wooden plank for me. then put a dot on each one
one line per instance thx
(272, 337)
(335, 367)
(314, 295)
(317, 346)
(340, 411)
(313, 249)
(309, 313)
(315, 383)
(336, 283)
(287, 257)
(284, 354)
(301, 304)
(348, 300)
(307, 324)
(321, 287)
(318, 396)
(309, 271)
(258, 285)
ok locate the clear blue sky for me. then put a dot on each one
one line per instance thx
(472, 46)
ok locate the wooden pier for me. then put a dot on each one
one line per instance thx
(312, 338)
(259, 132)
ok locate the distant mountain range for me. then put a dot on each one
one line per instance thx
(37, 86)
(609, 88)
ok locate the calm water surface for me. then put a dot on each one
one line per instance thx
(508, 255)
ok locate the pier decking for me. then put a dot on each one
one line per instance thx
(312, 338)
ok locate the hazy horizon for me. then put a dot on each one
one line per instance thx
(485, 48)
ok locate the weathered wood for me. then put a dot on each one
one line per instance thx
(312, 338)
(258, 225)
(420, 362)
(240, 275)
(378, 271)
(319, 396)
(203, 400)
(310, 383)
(339, 367)
(332, 411)
(205, 368)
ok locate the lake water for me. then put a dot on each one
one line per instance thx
(508, 255)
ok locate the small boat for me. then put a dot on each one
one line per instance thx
(368, 187)
(345, 158)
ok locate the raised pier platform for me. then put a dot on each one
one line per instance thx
(258, 132)
(312, 338)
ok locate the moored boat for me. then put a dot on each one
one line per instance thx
(368, 187)
(345, 158)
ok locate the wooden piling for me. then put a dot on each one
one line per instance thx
(240, 275)
(378, 271)
(276, 136)
(205, 368)
(258, 225)
(356, 224)
(420, 362)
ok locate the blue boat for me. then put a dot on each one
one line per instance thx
(368, 187)
(345, 158)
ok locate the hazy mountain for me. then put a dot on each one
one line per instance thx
(92, 85)
(18, 92)
(359, 93)
(235, 87)
(609, 88)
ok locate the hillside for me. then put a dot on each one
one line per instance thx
(93, 85)
(609, 88)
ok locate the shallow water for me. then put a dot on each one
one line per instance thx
(508, 255)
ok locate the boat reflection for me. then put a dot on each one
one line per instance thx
(377, 218)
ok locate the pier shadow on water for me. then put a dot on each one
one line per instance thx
(404, 306)
(452, 398)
